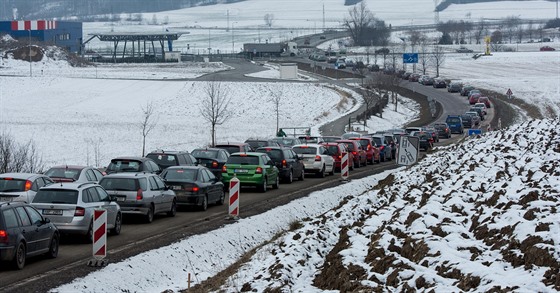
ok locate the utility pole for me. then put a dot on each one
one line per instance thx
(324, 15)
(30, 66)
(227, 28)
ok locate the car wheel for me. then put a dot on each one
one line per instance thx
(149, 217)
(382, 158)
(53, 248)
(276, 184)
(173, 211)
(322, 173)
(19, 257)
(332, 171)
(89, 234)
(204, 205)
(290, 178)
(222, 199)
(263, 186)
(302, 176)
(118, 225)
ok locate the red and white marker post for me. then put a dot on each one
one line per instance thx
(234, 197)
(344, 166)
(99, 238)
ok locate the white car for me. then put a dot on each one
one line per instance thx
(315, 159)
(21, 186)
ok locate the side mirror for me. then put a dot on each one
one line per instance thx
(46, 220)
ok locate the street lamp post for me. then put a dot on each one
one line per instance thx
(232, 38)
(30, 66)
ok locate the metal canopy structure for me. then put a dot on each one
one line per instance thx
(138, 41)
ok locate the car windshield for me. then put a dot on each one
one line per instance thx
(453, 120)
(332, 150)
(243, 160)
(180, 174)
(349, 146)
(286, 141)
(377, 140)
(124, 166)
(64, 173)
(61, 196)
(164, 160)
(205, 154)
(12, 185)
(124, 184)
(364, 142)
(274, 154)
(305, 150)
(257, 143)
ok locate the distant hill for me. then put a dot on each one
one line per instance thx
(84, 9)
(445, 3)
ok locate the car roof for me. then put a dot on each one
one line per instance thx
(70, 167)
(197, 167)
(162, 152)
(231, 144)
(208, 149)
(128, 175)
(19, 175)
(246, 154)
(308, 145)
(273, 148)
(131, 158)
(69, 185)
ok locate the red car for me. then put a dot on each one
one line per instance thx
(547, 48)
(372, 152)
(359, 154)
(336, 149)
(484, 100)
(473, 99)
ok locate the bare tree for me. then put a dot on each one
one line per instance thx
(147, 124)
(214, 108)
(16, 157)
(511, 24)
(276, 99)
(438, 57)
(480, 30)
(424, 56)
(358, 19)
(269, 19)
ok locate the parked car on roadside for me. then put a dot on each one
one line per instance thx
(235, 147)
(359, 155)
(70, 207)
(21, 186)
(142, 194)
(194, 186)
(316, 159)
(547, 48)
(464, 50)
(289, 164)
(73, 173)
(212, 158)
(166, 159)
(252, 169)
(414, 77)
(25, 233)
(132, 165)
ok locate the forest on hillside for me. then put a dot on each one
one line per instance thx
(84, 9)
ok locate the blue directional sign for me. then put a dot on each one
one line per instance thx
(475, 132)
(410, 57)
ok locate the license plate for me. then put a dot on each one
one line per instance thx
(52, 212)
(6, 198)
(121, 198)
(240, 171)
(177, 187)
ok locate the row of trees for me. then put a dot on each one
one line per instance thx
(364, 28)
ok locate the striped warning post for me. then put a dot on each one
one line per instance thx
(99, 233)
(234, 197)
(344, 166)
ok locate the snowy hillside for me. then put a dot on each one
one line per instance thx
(479, 216)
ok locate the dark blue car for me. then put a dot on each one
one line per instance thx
(455, 123)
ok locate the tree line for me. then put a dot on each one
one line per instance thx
(36, 9)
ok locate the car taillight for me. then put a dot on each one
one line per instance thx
(224, 169)
(259, 170)
(369, 147)
(195, 189)
(354, 152)
(139, 194)
(284, 163)
(317, 158)
(28, 185)
(214, 164)
(3, 236)
(382, 147)
(80, 212)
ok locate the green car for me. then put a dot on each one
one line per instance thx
(252, 169)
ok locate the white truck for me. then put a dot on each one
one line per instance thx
(271, 49)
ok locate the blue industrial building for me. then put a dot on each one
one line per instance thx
(65, 34)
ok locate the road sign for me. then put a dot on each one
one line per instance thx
(234, 197)
(344, 166)
(509, 93)
(408, 150)
(410, 57)
(474, 132)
